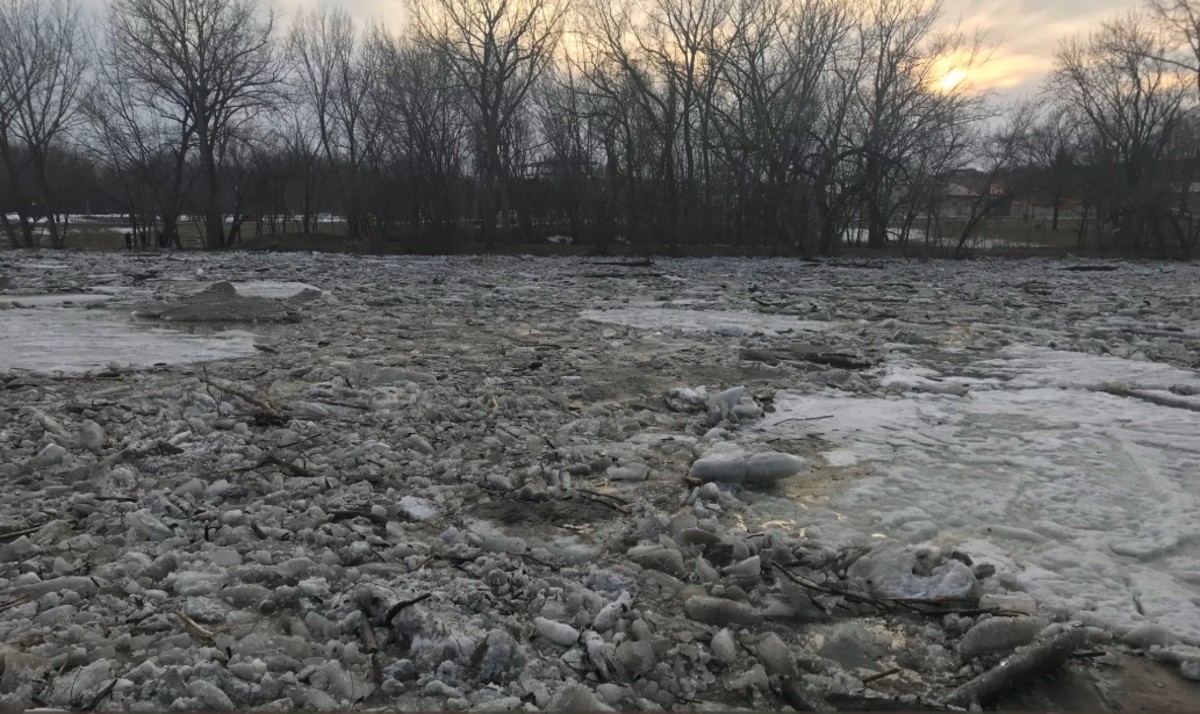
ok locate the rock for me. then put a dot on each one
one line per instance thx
(16, 550)
(607, 618)
(724, 649)
(775, 656)
(82, 585)
(578, 698)
(503, 658)
(92, 436)
(50, 455)
(210, 694)
(632, 472)
(656, 557)
(749, 568)
(557, 632)
(999, 634)
(147, 525)
(78, 688)
(738, 467)
(635, 658)
(395, 375)
(718, 611)
(890, 571)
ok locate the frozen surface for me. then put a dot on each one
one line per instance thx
(723, 322)
(55, 299)
(77, 341)
(272, 288)
(1088, 499)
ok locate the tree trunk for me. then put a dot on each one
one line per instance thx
(214, 222)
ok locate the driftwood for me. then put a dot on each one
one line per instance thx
(1089, 268)
(267, 409)
(806, 354)
(621, 275)
(400, 606)
(1016, 670)
(639, 263)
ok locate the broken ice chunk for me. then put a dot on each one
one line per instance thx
(738, 467)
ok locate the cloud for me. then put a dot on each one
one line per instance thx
(1026, 34)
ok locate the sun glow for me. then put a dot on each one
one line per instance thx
(950, 80)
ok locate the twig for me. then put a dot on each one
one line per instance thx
(101, 695)
(400, 606)
(196, 630)
(13, 535)
(267, 409)
(370, 646)
(602, 499)
(296, 469)
(15, 603)
(881, 675)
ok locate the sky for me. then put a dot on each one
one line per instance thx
(1025, 33)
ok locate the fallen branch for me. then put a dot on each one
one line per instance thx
(268, 410)
(101, 695)
(13, 535)
(602, 499)
(195, 629)
(295, 469)
(881, 675)
(1016, 670)
(15, 603)
(1089, 268)
(400, 606)
(914, 607)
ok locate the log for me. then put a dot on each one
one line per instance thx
(1016, 670)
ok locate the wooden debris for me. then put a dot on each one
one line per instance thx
(195, 629)
(267, 409)
(400, 606)
(295, 469)
(841, 360)
(1016, 670)
(1089, 268)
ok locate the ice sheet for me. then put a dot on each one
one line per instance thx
(77, 341)
(1089, 501)
(272, 288)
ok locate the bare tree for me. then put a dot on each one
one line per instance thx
(423, 128)
(42, 61)
(903, 105)
(998, 152)
(1132, 100)
(214, 61)
(334, 75)
(496, 51)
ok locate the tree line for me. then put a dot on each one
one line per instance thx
(794, 126)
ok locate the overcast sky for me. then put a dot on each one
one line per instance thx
(1026, 31)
